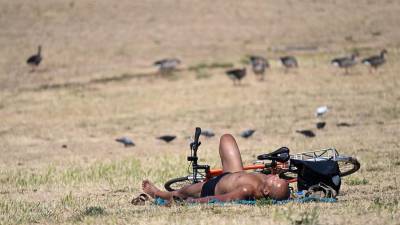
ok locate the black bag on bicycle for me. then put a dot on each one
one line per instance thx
(311, 173)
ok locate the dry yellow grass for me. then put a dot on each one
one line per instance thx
(96, 84)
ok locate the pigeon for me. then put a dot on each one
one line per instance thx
(321, 125)
(166, 66)
(289, 61)
(259, 64)
(321, 111)
(35, 60)
(167, 138)
(236, 75)
(126, 141)
(247, 133)
(207, 133)
(307, 133)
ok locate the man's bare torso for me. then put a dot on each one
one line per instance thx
(233, 181)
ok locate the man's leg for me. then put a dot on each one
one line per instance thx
(191, 190)
(230, 154)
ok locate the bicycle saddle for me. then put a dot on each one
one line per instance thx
(280, 155)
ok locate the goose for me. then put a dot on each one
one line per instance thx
(259, 64)
(35, 60)
(376, 60)
(236, 75)
(345, 62)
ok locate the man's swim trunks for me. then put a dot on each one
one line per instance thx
(209, 186)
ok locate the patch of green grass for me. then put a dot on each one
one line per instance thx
(391, 204)
(391, 113)
(356, 181)
(109, 172)
(213, 65)
(94, 211)
(245, 60)
(202, 74)
(23, 212)
(307, 218)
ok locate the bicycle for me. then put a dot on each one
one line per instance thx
(278, 162)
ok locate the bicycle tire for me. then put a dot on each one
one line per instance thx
(347, 165)
(177, 183)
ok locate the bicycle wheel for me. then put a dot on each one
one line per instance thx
(347, 165)
(177, 183)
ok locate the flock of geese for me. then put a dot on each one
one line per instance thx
(259, 64)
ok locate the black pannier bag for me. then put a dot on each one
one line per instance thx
(310, 173)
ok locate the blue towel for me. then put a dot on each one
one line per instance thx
(162, 202)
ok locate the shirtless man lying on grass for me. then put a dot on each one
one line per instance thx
(233, 184)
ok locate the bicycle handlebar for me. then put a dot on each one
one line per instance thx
(196, 142)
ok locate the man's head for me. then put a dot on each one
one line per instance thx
(276, 188)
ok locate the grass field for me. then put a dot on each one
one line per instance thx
(97, 83)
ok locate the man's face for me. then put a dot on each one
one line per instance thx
(268, 183)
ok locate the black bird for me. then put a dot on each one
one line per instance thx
(307, 133)
(345, 62)
(259, 64)
(207, 133)
(289, 62)
(320, 125)
(167, 138)
(166, 66)
(126, 141)
(35, 60)
(247, 133)
(376, 60)
(236, 75)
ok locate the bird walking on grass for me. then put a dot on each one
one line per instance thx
(236, 75)
(207, 133)
(289, 62)
(259, 65)
(376, 60)
(345, 62)
(166, 66)
(247, 133)
(167, 138)
(125, 141)
(35, 60)
(307, 133)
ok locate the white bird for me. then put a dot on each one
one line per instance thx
(321, 111)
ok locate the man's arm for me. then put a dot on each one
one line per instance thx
(240, 193)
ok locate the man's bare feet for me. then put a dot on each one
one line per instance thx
(150, 189)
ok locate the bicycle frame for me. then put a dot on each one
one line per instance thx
(273, 167)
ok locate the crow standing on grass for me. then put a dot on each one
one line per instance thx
(307, 133)
(259, 64)
(167, 138)
(236, 75)
(35, 60)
